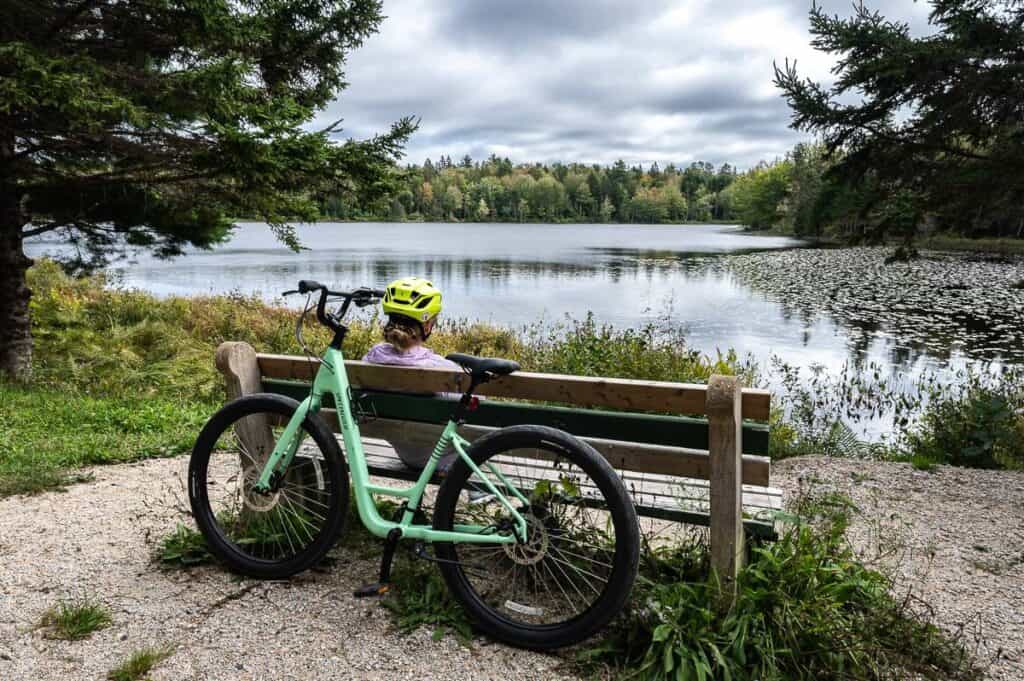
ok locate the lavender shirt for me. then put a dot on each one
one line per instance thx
(384, 353)
(417, 356)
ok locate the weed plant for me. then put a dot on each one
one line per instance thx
(75, 619)
(184, 547)
(137, 665)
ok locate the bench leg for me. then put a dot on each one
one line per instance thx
(725, 428)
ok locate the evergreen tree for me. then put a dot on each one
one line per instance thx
(933, 120)
(150, 123)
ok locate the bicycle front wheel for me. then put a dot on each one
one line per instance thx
(574, 572)
(274, 535)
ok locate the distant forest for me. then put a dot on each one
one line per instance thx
(496, 190)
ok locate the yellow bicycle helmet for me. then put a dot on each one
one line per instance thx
(412, 297)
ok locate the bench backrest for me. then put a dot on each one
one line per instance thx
(400, 397)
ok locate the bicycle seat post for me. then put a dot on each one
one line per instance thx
(468, 402)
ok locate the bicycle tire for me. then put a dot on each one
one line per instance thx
(332, 475)
(623, 568)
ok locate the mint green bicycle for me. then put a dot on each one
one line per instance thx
(533, 531)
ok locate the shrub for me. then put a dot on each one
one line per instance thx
(981, 426)
(806, 609)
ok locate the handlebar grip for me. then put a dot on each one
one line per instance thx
(307, 285)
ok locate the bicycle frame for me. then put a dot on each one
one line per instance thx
(332, 379)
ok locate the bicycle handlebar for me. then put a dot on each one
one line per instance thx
(362, 297)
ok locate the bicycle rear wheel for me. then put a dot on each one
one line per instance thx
(575, 571)
(275, 535)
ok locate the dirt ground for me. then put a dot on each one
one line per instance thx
(956, 538)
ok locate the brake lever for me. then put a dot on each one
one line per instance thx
(288, 293)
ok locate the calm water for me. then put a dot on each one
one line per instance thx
(627, 275)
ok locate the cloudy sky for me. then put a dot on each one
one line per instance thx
(588, 80)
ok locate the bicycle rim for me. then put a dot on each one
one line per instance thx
(568, 573)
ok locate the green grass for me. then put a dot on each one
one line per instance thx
(74, 620)
(46, 433)
(138, 664)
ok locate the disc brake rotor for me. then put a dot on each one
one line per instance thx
(536, 546)
(254, 500)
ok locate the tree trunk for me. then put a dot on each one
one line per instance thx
(15, 330)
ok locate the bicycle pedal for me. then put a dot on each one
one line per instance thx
(370, 590)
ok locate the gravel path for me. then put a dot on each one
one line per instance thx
(98, 539)
(955, 536)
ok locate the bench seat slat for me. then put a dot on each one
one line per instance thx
(626, 456)
(382, 464)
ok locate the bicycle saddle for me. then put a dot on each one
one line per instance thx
(484, 367)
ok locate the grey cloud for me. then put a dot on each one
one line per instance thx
(587, 80)
(511, 26)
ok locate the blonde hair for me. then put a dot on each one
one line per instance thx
(403, 333)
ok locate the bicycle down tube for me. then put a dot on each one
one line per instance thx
(332, 378)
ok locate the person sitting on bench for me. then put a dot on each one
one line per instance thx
(412, 306)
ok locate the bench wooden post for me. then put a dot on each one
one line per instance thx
(725, 438)
(237, 361)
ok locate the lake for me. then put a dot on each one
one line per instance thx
(762, 296)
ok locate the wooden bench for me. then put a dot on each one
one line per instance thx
(710, 471)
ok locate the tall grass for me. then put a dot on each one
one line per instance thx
(106, 340)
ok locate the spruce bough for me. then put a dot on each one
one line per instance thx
(154, 123)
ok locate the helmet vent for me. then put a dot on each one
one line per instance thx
(424, 301)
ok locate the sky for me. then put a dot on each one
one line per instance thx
(589, 80)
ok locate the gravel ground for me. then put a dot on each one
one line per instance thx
(97, 539)
(954, 536)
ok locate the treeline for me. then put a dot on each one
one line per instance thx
(496, 190)
(795, 195)
(802, 195)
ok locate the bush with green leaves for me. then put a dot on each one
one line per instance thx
(979, 426)
(805, 609)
